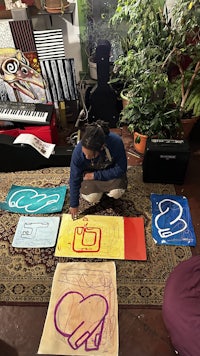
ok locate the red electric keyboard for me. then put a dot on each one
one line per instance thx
(35, 118)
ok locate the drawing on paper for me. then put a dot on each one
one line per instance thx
(176, 223)
(89, 326)
(94, 236)
(32, 200)
(171, 223)
(83, 314)
(86, 238)
(36, 202)
(30, 229)
(36, 232)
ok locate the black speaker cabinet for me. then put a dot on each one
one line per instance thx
(17, 157)
(165, 161)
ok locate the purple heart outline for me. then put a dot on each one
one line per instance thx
(87, 331)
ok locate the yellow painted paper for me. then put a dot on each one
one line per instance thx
(82, 317)
(91, 236)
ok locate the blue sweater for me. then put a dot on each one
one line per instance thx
(79, 165)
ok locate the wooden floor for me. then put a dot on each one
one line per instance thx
(141, 330)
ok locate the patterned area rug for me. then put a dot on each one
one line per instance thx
(26, 274)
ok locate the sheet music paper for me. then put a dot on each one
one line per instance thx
(44, 148)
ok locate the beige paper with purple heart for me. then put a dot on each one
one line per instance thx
(82, 317)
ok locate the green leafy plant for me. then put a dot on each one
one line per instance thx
(140, 68)
(160, 60)
(144, 37)
(151, 118)
(184, 57)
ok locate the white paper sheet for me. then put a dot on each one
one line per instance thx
(36, 232)
(44, 148)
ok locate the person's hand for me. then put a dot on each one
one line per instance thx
(74, 213)
(88, 176)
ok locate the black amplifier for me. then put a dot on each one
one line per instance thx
(165, 161)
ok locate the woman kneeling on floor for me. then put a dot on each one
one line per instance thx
(98, 166)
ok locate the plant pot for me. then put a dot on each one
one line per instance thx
(56, 6)
(93, 69)
(187, 126)
(139, 141)
(124, 98)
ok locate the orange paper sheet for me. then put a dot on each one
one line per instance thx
(95, 236)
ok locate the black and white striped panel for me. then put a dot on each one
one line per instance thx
(23, 35)
(61, 79)
(49, 44)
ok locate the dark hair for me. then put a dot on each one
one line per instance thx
(95, 135)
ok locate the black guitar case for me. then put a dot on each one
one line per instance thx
(101, 100)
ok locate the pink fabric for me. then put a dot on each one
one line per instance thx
(181, 307)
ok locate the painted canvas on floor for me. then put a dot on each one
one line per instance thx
(33, 200)
(95, 236)
(82, 317)
(171, 220)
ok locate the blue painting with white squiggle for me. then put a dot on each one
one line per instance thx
(33, 200)
(171, 220)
